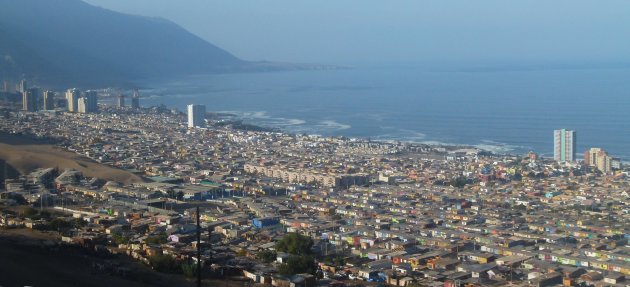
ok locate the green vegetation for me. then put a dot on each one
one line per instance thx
(19, 199)
(157, 239)
(296, 244)
(336, 261)
(267, 256)
(30, 212)
(60, 224)
(120, 239)
(164, 263)
(78, 222)
(458, 182)
(297, 265)
(300, 261)
(189, 269)
(33, 213)
(175, 195)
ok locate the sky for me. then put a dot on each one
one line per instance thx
(402, 31)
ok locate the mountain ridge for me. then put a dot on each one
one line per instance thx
(65, 42)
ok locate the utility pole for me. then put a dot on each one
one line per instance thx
(198, 250)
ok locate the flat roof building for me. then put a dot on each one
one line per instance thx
(72, 96)
(564, 143)
(29, 100)
(49, 100)
(196, 116)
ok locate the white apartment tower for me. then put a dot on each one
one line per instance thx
(196, 116)
(72, 96)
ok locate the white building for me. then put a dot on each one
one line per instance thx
(196, 116)
(72, 96)
(82, 106)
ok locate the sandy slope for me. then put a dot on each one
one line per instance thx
(28, 157)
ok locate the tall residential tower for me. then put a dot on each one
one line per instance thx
(49, 100)
(196, 116)
(72, 96)
(564, 142)
(135, 99)
(29, 100)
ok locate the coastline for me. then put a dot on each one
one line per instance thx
(229, 119)
(492, 112)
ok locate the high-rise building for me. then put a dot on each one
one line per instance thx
(120, 101)
(6, 86)
(82, 106)
(598, 158)
(72, 96)
(29, 100)
(88, 103)
(135, 99)
(49, 100)
(196, 116)
(22, 86)
(92, 102)
(564, 142)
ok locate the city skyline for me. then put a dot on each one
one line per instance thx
(311, 144)
(390, 199)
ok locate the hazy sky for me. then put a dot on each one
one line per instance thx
(382, 31)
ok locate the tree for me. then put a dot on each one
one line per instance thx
(295, 244)
(157, 239)
(119, 238)
(30, 212)
(164, 263)
(19, 199)
(59, 224)
(189, 269)
(267, 256)
(78, 222)
(335, 260)
(339, 261)
(44, 214)
(458, 182)
(297, 265)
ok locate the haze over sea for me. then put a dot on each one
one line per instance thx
(501, 110)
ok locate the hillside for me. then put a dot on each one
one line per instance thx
(23, 154)
(70, 42)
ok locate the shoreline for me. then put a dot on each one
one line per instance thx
(243, 123)
(231, 117)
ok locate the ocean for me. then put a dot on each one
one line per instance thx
(506, 111)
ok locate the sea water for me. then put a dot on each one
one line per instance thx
(505, 110)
